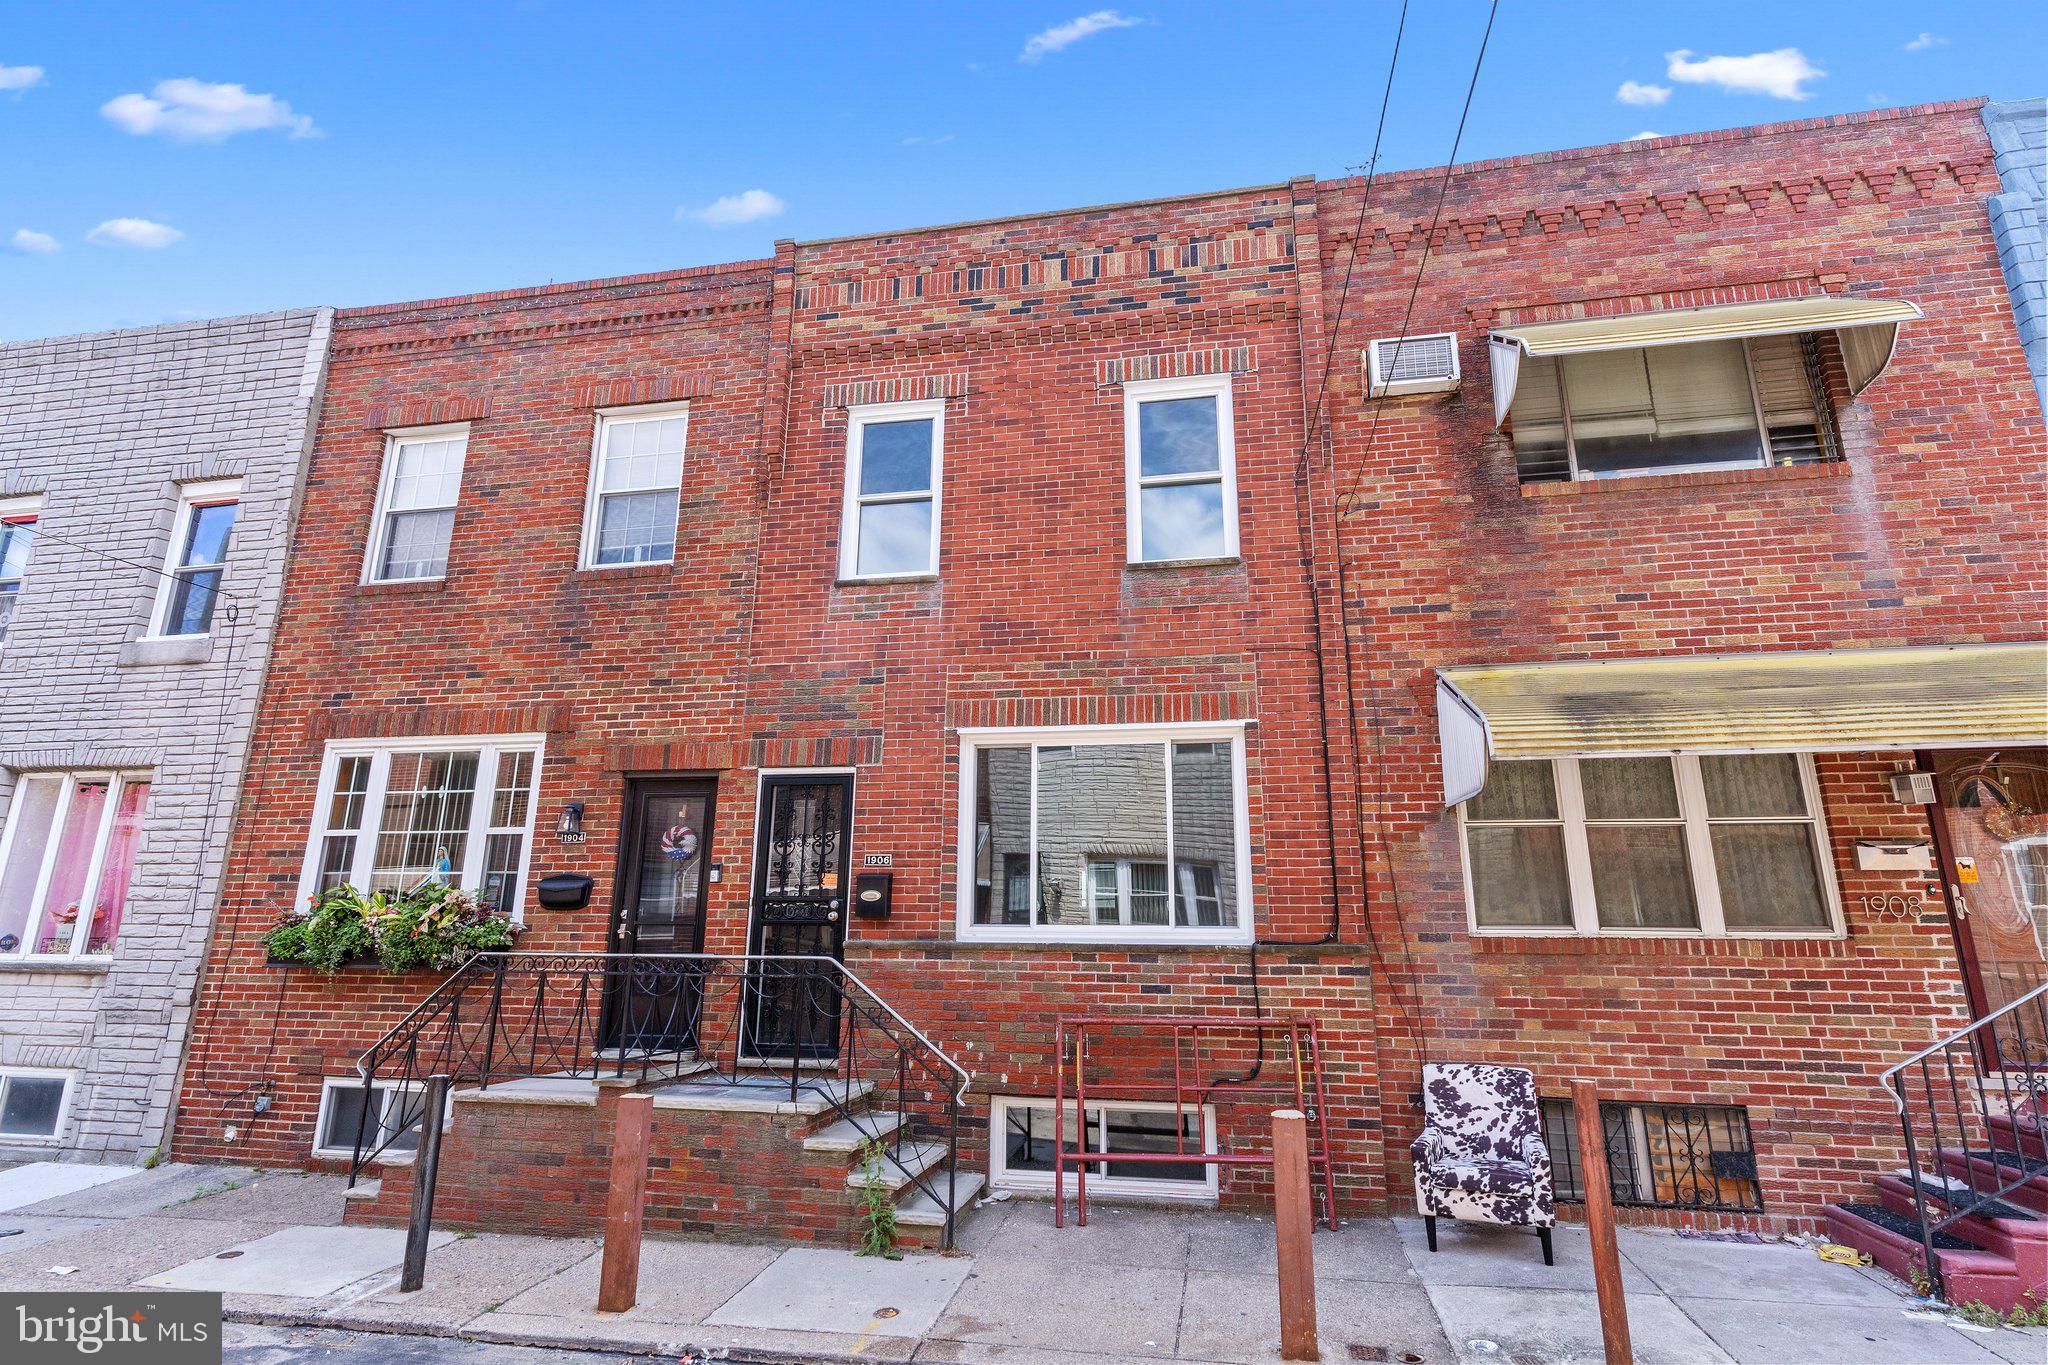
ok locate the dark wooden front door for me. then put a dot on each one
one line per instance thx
(664, 854)
(800, 896)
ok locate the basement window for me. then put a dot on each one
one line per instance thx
(390, 1125)
(33, 1103)
(1022, 1158)
(1740, 404)
(1662, 1156)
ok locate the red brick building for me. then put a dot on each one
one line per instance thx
(1031, 561)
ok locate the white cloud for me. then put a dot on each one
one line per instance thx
(33, 242)
(1644, 135)
(1635, 92)
(927, 141)
(1782, 74)
(138, 232)
(1039, 46)
(1925, 41)
(745, 207)
(19, 78)
(188, 110)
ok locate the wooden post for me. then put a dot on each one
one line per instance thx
(1294, 1218)
(426, 1167)
(1600, 1223)
(618, 1284)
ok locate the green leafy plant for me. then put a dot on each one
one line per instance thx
(1983, 1315)
(876, 1218)
(2024, 1316)
(432, 925)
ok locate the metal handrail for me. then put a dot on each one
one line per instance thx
(1974, 1173)
(574, 1031)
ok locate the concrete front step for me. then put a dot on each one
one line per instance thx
(813, 1097)
(920, 1210)
(898, 1168)
(1970, 1273)
(847, 1135)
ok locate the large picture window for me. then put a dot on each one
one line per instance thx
(636, 486)
(1117, 834)
(890, 526)
(67, 856)
(393, 816)
(416, 501)
(1180, 470)
(1696, 844)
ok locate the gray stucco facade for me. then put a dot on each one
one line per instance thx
(2019, 221)
(107, 441)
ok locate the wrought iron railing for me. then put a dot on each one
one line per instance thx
(805, 1024)
(1974, 1112)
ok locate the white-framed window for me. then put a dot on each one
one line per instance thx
(17, 537)
(636, 481)
(895, 457)
(1137, 834)
(190, 585)
(1740, 404)
(416, 499)
(35, 1104)
(67, 857)
(393, 814)
(392, 1124)
(1021, 1154)
(1180, 470)
(1714, 844)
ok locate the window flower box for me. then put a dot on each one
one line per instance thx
(432, 927)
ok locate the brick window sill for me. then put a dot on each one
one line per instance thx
(1152, 566)
(410, 587)
(614, 572)
(1793, 473)
(1652, 946)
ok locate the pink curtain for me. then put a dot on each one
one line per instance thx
(112, 897)
(74, 859)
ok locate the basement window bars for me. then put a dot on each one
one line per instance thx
(1698, 1157)
(1022, 1158)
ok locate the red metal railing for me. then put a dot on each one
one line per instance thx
(1194, 1087)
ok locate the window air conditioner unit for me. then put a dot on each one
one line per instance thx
(1417, 364)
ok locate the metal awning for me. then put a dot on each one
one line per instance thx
(1868, 328)
(1833, 700)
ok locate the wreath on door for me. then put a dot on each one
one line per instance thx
(679, 842)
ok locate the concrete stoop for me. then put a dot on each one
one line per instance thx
(739, 1161)
(1998, 1258)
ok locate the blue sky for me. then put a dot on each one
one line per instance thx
(168, 160)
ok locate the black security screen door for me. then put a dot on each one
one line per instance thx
(800, 876)
(651, 1003)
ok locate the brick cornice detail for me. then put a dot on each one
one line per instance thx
(1797, 194)
(547, 331)
(981, 335)
(397, 722)
(614, 393)
(428, 412)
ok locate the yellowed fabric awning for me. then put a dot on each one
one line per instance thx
(1934, 697)
(1868, 328)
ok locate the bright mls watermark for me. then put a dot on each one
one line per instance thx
(159, 1329)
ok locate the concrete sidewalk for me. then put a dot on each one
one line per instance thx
(1136, 1284)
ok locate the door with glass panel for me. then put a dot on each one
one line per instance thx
(800, 872)
(664, 862)
(1994, 812)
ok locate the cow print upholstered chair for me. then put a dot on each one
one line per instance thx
(1481, 1154)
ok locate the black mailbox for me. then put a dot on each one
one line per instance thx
(871, 894)
(563, 891)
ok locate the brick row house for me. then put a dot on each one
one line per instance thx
(1170, 609)
(147, 483)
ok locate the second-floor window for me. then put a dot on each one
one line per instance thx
(198, 558)
(1180, 470)
(416, 501)
(17, 535)
(1740, 404)
(890, 524)
(636, 487)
